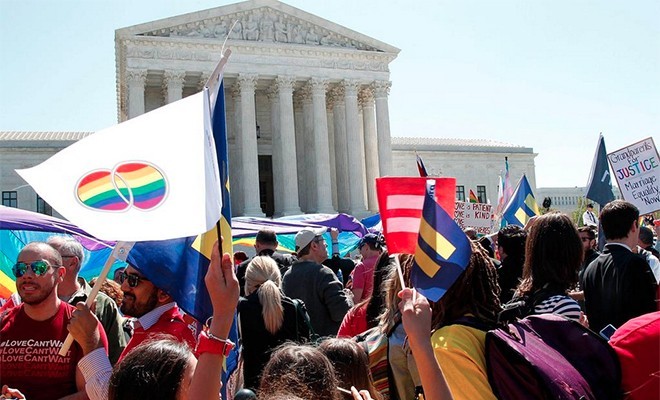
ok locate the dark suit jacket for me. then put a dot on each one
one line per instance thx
(618, 285)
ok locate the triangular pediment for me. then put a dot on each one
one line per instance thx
(267, 21)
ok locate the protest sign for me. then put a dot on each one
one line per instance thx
(474, 215)
(637, 171)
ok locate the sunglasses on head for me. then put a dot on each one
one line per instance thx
(133, 280)
(38, 267)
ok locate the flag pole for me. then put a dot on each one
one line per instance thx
(97, 287)
(397, 265)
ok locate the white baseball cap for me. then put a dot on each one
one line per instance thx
(306, 235)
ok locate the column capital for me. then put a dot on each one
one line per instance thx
(337, 93)
(381, 88)
(247, 82)
(350, 86)
(285, 82)
(329, 101)
(136, 76)
(272, 92)
(173, 77)
(366, 96)
(304, 94)
(202, 80)
(234, 90)
(318, 85)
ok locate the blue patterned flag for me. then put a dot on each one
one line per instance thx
(178, 266)
(216, 94)
(443, 251)
(522, 205)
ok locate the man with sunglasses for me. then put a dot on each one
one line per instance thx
(315, 284)
(75, 289)
(32, 333)
(154, 314)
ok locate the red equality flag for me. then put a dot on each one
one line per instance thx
(400, 201)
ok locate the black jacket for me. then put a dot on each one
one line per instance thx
(618, 285)
(257, 342)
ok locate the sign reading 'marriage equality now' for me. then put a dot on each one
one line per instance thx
(637, 171)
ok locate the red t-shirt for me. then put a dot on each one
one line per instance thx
(354, 322)
(171, 323)
(29, 354)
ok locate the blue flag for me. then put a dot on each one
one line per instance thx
(178, 266)
(522, 205)
(443, 251)
(599, 186)
(216, 89)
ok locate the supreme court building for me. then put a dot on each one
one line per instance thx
(308, 120)
(304, 98)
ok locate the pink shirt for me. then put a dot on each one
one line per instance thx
(363, 276)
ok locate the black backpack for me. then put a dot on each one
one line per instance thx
(521, 306)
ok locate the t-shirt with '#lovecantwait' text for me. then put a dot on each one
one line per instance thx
(29, 354)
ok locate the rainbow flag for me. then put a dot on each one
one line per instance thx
(130, 184)
(473, 197)
(20, 227)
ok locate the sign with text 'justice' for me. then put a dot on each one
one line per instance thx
(637, 171)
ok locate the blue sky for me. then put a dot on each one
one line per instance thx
(544, 74)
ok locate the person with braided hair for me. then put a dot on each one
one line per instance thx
(460, 321)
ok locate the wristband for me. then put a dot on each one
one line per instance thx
(207, 343)
(335, 247)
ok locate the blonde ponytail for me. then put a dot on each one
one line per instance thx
(271, 306)
(263, 274)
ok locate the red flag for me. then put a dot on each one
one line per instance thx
(421, 167)
(400, 200)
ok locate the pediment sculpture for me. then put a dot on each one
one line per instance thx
(263, 25)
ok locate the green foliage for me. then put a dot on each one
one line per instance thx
(576, 216)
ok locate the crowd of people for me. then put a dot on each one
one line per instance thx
(315, 326)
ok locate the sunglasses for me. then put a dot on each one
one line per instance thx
(38, 267)
(133, 280)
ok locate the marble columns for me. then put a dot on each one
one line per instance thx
(276, 148)
(381, 91)
(136, 80)
(355, 160)
(287, 147)
(173, 85)
(321, 147)
(341, 150)
(248, 138)
(370, 146)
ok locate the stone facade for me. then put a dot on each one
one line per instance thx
(20, 150)
(567, 200)
(474, 163)
(306, 104)
(288, 72)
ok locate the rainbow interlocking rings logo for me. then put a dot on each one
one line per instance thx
(133, 184)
